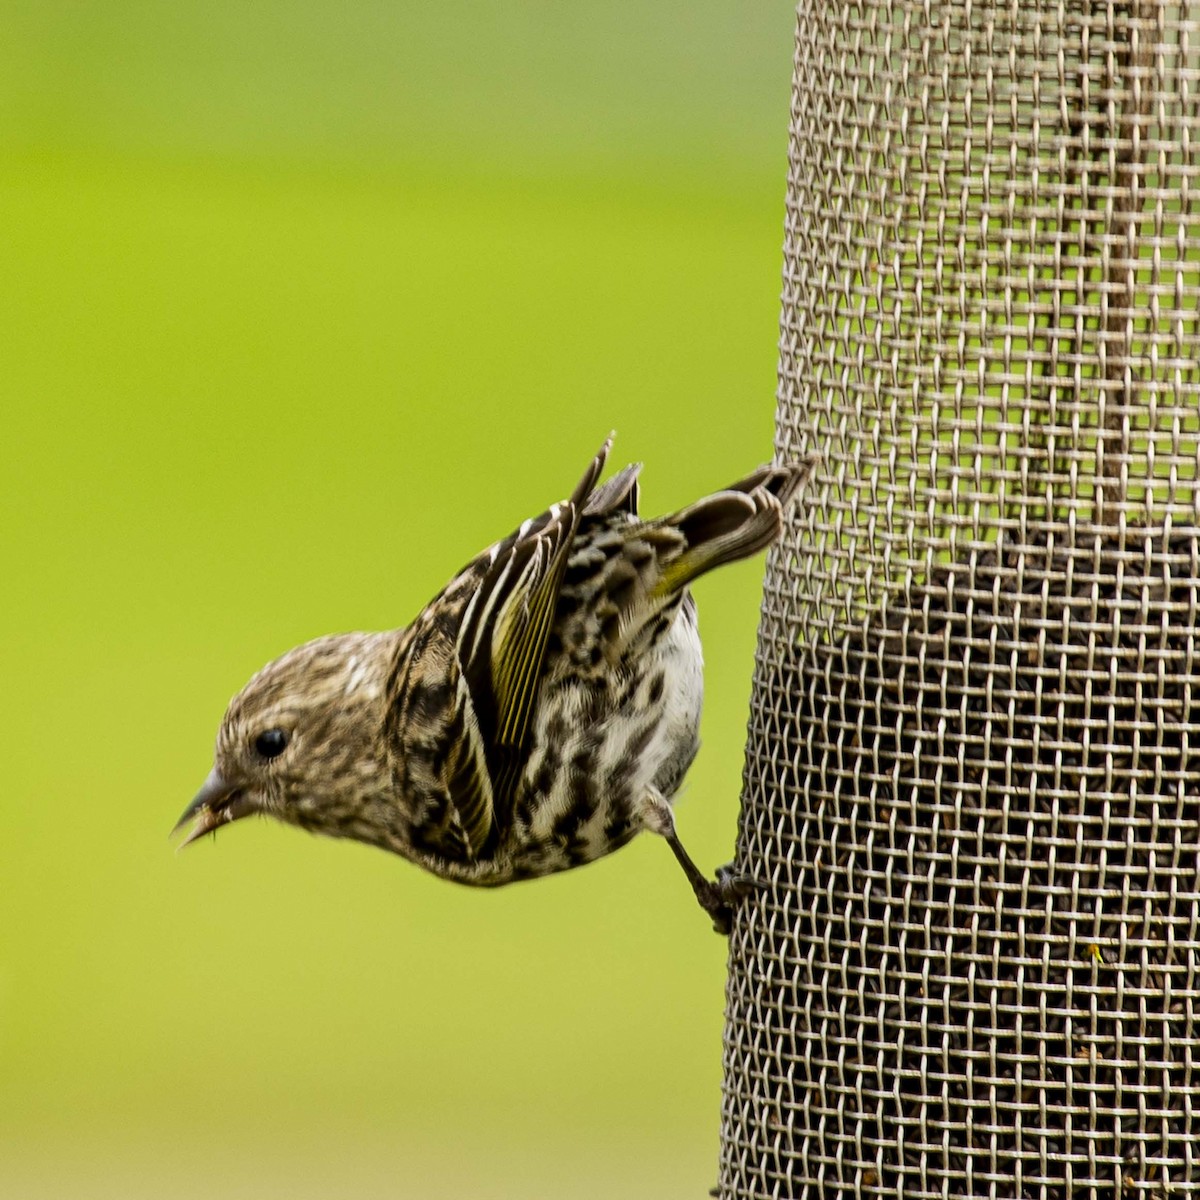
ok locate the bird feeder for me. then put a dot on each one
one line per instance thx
(972, 785)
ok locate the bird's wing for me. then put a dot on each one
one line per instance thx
(502, 639)
(462, 692)
(434, 743)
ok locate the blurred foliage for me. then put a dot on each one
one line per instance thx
(301, 305)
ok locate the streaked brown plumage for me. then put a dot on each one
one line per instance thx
(539, 712)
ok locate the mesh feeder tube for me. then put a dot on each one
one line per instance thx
(972, 782)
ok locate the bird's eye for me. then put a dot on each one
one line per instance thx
(271, 743)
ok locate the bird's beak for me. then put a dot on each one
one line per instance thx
(216, 804)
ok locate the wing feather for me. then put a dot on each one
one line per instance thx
(469, 786)
(502, 642)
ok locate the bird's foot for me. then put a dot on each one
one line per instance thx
(718, 897)
(722, 896)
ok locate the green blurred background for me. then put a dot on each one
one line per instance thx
(300, 306)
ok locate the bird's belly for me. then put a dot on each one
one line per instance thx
(594, 760)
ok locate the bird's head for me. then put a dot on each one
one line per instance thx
(300, 742)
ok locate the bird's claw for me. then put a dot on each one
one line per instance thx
(721, 897)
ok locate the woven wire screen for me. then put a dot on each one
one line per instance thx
(973, 774)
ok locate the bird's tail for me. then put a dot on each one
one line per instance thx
(734, 523)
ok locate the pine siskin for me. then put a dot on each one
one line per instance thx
(538, 713)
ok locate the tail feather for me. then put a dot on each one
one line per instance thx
(782, 482)
(735, 523)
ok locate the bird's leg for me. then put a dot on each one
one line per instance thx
(718, 897)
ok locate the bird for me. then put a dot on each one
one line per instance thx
(537, 714)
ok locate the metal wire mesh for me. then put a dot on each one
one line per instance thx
(974, 755)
